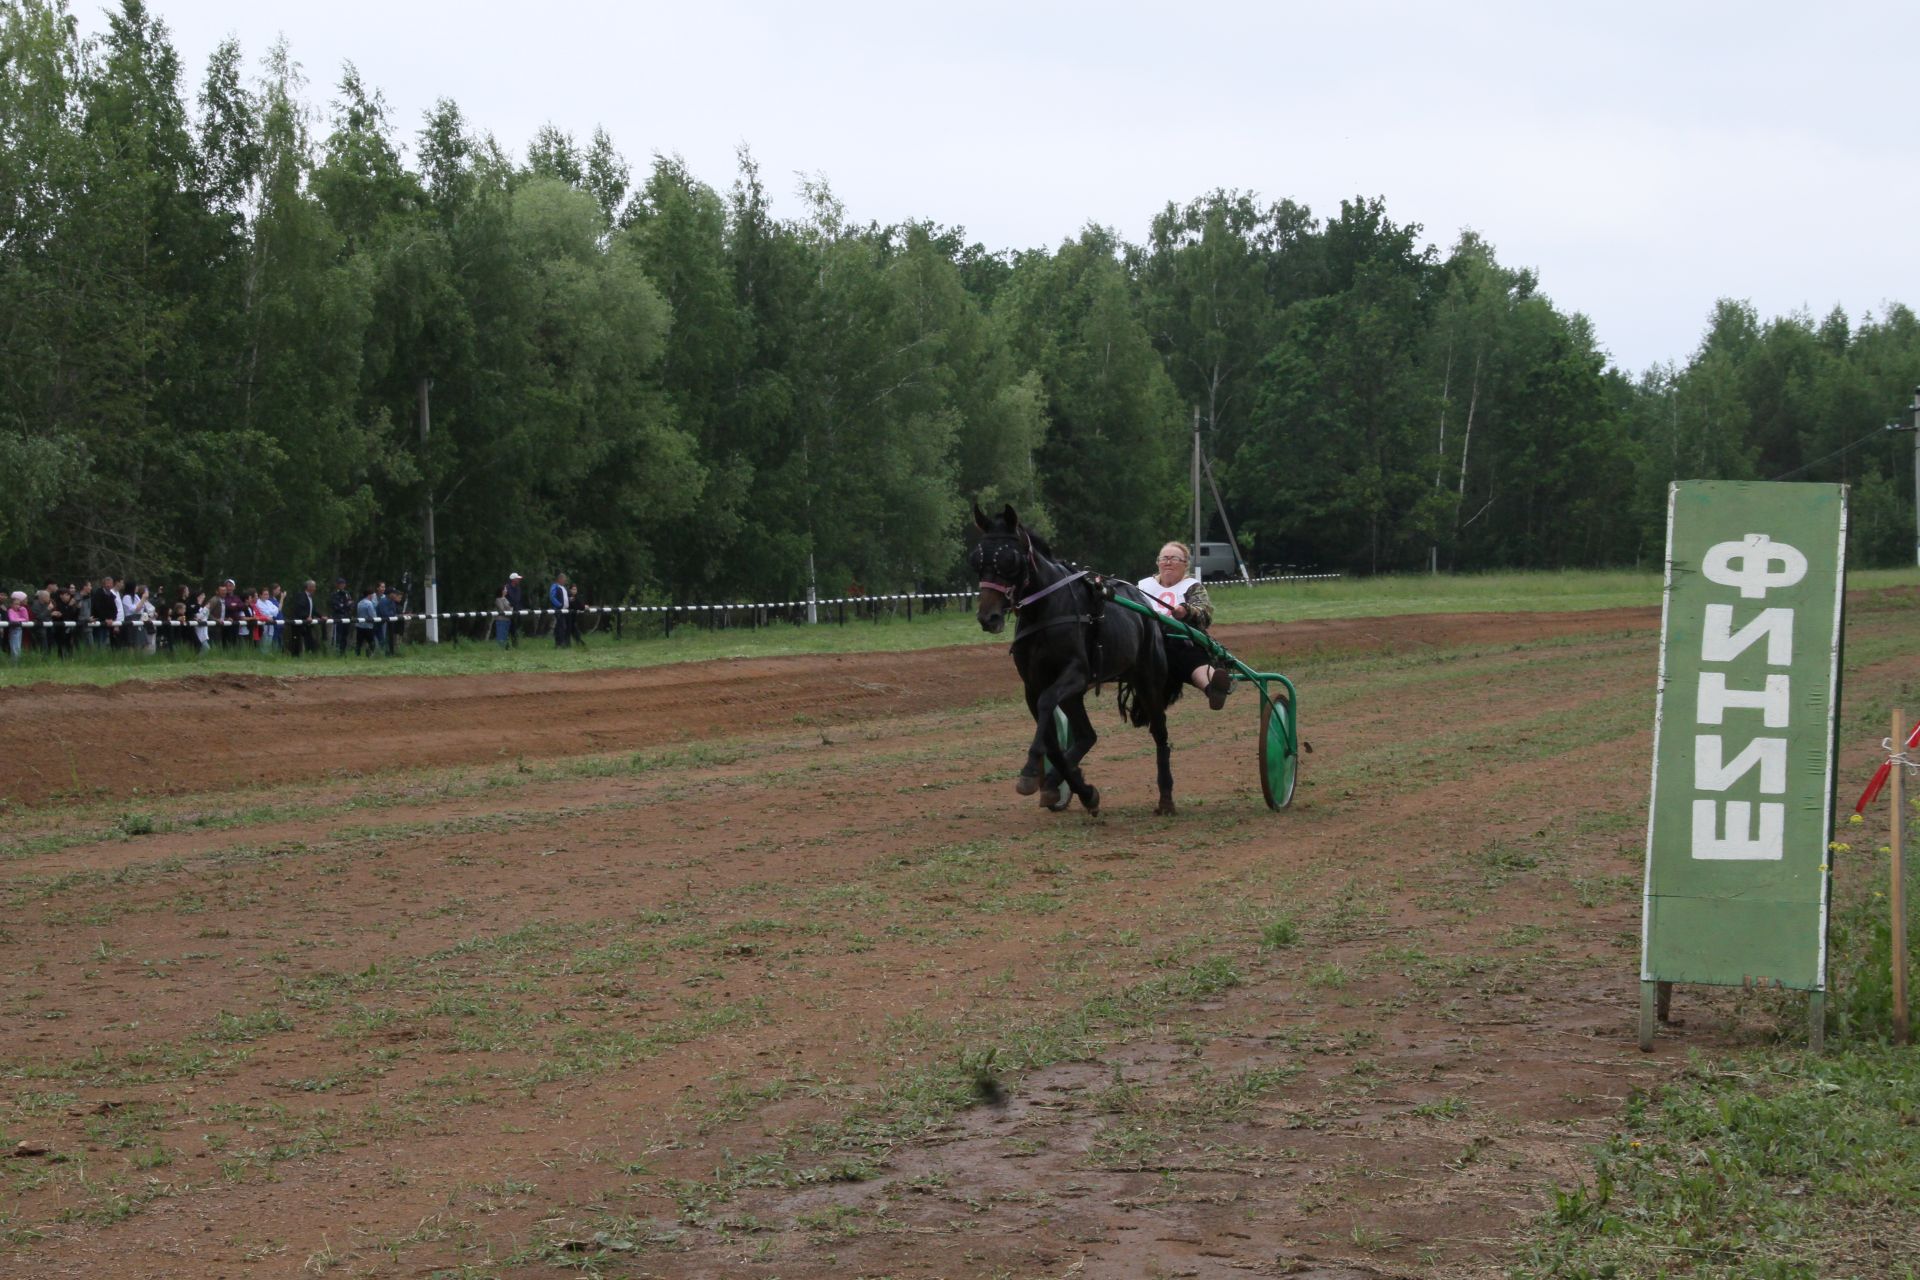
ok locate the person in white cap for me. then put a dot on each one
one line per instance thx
(515, 596)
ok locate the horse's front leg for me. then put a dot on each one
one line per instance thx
(1163, 761)
(1067, 691)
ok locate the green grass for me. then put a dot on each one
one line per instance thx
(1765, 1167)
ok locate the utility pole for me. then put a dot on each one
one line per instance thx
(433, 563)
(1914, 427)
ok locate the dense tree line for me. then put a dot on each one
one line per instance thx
(219, 305)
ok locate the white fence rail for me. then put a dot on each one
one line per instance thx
(601, 613)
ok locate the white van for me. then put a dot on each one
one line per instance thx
(1214, 560)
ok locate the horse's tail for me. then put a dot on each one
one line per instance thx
(1149, 679)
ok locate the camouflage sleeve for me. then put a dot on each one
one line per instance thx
(1199, 607)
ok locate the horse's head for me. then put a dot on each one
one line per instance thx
(1003, 561)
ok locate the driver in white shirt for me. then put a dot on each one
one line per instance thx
(1178, 595)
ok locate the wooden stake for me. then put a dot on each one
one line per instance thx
(1896, 794)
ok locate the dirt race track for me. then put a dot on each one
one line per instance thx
(760, 968)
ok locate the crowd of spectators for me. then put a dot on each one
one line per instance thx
(122, 614)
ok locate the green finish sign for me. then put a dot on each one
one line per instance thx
(1744, 731)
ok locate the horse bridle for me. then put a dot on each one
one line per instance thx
(1005, 562)
(1008, 557)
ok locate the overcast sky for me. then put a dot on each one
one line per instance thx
(1644, 159)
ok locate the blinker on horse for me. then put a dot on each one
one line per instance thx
(1065, 642)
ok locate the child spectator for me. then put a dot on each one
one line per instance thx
(17, 618)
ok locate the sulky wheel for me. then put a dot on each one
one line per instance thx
(1279, 749)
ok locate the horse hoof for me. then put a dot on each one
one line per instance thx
(1026, 784)
(1165, 808)
(1050, 799)
(1091, 800)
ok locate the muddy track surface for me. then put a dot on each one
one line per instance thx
(773, 975)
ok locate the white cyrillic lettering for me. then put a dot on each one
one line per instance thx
(1756, 554)
(1740, 845)
(1715, 698)
(1710, 774)
(1721, 643)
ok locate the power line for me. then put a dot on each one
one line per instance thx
(1817, 461)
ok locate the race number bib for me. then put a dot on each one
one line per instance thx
(1165, 598)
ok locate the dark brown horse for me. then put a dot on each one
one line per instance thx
(1066, 641)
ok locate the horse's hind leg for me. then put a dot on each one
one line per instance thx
(1081, 723)
(1163, 760)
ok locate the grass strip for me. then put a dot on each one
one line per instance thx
(1770, 1166)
